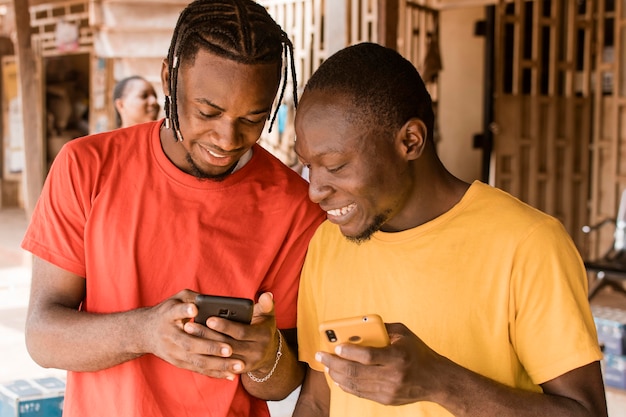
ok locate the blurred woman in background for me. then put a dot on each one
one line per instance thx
(135, 101)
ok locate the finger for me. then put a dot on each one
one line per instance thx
(186, 296)
(227, 327)
(220, 343)
(341, 369)
(362, 354)
(265, 304)
(329, 360)
(181, 312)
(264, 308)
(216, 367)
(397, 331)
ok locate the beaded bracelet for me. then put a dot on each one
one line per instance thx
(279, 353)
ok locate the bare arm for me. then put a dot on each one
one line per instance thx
(576, 393)
(59, 335)
(409, 371)
(314, 399)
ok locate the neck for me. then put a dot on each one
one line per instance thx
(434, 192)
(173, 149)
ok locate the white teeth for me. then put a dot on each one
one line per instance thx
(216, 155)
(341, 211)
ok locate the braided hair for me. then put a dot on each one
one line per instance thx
(238, 30)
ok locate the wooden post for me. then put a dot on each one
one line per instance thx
(388, 15)
(29, 82)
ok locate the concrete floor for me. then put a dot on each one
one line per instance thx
(15, 363)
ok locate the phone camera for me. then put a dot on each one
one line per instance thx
(223, 313)
(330, 334)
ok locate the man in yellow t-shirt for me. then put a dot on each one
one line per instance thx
(484, 297)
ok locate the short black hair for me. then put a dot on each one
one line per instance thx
(238, 30)
(385, 87)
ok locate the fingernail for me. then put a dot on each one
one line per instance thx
(225, 351)
(210, 324)
(237, 367)
(338, 350)
(231, 377)
(318, 357)
(326, 369)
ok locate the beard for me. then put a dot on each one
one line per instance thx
(202, 175)
(374, 227)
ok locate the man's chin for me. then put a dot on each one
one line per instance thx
(366, 234)
(358, 237)
(201, 174)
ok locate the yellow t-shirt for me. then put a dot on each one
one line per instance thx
(493, 284)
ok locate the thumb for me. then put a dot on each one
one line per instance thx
(266, 303)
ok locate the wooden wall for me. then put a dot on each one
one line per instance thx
(608, 145)
(543, 107)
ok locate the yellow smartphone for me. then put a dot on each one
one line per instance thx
(367, 330)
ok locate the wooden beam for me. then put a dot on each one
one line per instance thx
(388, 15)
(29, 82)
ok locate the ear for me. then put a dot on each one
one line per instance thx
(412, 137)
(119, 105)
(165, 78)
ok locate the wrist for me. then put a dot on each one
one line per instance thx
(261, 375)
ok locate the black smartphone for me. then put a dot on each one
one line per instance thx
(231, 308)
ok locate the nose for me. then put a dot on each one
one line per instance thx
(319, 189)
(226, 134)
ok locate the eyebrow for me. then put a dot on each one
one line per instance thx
(215, 106)
(327, 152)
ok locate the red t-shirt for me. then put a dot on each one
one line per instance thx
(115, 210)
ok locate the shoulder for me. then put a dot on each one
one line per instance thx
(502, 205)
(496, 212)
(124, 141)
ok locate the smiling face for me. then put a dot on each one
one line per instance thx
(358, 174)
(222, 108)
(138, 103)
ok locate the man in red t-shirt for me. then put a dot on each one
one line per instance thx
(133, 223)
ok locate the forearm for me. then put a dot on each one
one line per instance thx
(314, 398)
(467, 394)
(308, 407)
(286, 377)
(63, 338)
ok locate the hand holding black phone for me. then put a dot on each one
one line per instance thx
(231, 308)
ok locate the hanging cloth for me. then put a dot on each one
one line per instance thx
(432, 61)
